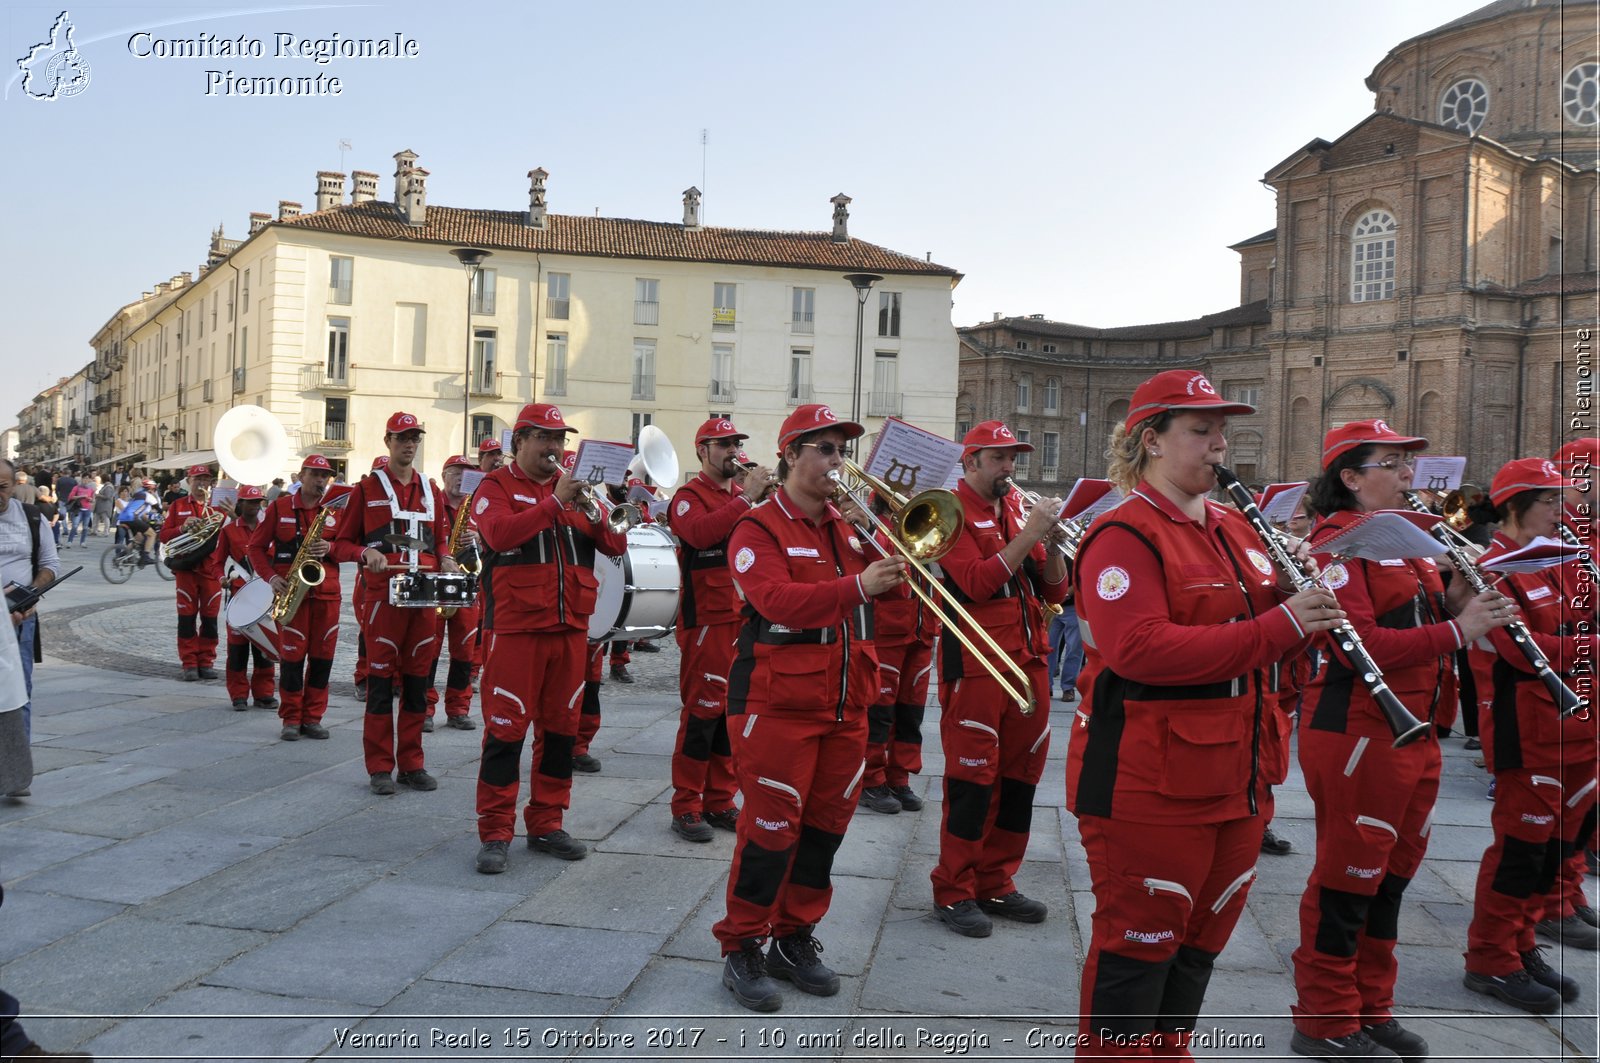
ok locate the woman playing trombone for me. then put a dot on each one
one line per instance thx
(1183, 617)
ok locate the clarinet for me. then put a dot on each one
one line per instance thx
(1406, 727)
(1570, 537)
(1566, 701)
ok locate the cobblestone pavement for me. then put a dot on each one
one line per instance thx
(184, 885)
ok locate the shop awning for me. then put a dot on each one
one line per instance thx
(117, 459)
(184, 460)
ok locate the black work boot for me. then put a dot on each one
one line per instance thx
(795, 959)
(1350, 1046)
(1399, 1040)
(1540, 971)
(745, 974)
(1517, 989)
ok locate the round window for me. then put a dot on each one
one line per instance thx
(1464, 105)
(1580, 94)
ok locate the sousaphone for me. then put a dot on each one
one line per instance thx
(251, 444)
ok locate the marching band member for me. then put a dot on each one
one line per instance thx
(460, 628)
(490, 456)
(307, 640)
(803, 675)
(1544, 766)
(704, 511)
(539, 590)
(903, 631)
(237, 571)
(1373, 803)
(199, 588)
(1182, 619)
(358, 604)
(395, 500)
(1002, 571)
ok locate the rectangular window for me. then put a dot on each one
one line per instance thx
(1022, 345)
(804, 313)
(799, 376)
(1024, 392)
(200, 320)
(483, 427)
(1023, 455)
(1249, 394)
(483, 286)
(341, 273)
(721, 372)
(884, 401)
(1050, 455)
(214, 311)
(485, 378)
(639, 422)
(646, 301)
(555, 363)
(336, 423)
(338, 367)
(724, 306)
(889, 314)
(558, 296)
(644, 369)
(1052, 395)
(244, 293)
(1048, 348)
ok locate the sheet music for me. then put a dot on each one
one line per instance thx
(505, 442)
(1089, 498)
(1540, 554)
(908, 458)
(1438, 472)
(224, 496)
(602, 462)
(1279, 501)
(1385, 535)
(470, 479)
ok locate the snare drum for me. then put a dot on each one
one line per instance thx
(430, 590)
(250, 614)
(638, 596)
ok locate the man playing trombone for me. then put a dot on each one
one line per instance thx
(1004, 574)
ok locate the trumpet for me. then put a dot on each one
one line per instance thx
(1073, 528)
(926, 527)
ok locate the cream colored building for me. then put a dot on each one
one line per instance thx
(335, 318)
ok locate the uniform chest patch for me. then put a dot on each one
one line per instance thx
(483, 504)
(855, 544)
(744, 559)
(1260, 561)
(1335, 576)
(682, 507)
(1112, 584)
(801, 551)
(1535, 593)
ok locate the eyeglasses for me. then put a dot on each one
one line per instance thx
(1409, 461)
(828, 450)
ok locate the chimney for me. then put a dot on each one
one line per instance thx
(416, 207)
(330, 189)
(161, 287)
(183, 280)
(996, 316)
(691, 208)
(841, 218)
(258, 221)
(536, 215)
(288, 208)
(366, 187)
(403, 165)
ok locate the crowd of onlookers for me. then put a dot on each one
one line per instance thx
(78, 503)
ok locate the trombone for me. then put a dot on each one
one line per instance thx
(926, 526)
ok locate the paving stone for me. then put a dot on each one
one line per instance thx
(252, 772)
(25, 849)
(33, 920)
(214, 1023)
(89, 782)
(290, 809)
(129, 813)
(383, 834)
(271, 891)
(189, 751)
(57, 723)
(551, 959)
(621, 892)
(149, 866)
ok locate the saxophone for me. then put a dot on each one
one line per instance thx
(470, 565)
(305, 571)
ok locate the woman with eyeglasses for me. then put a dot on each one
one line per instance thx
(1373, 803)
(1544, 766)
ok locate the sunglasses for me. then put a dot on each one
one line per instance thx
(1391, 464)
(828, 450)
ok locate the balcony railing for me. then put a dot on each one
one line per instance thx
(644, 386)
(205, 391)
(557, 309)
(315, 377)
(335, 435)
(721, 391)
(339, 293)
(799, 394)
(1048, 472)
(486, 385)
(238, 379)
(183, 400)
(802, 324)
(883, 403)
(646, 312)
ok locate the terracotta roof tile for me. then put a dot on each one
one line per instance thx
(1255, 313)
(504, 230)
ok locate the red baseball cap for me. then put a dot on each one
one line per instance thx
(992, 434)
(149, 483)
(317, 461)
(544, 416)
(403, 422)
(488, 446)
(1585, 449)
(812, 417)
(380, 462)
(744, 459)
(461, 460)
(1526, 474)
(569, 460)
(718, 428)
(199, 470)
(1359, 433)
(250, 492)
(1178, 389)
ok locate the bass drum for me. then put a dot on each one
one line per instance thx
(249, 613)
(638, 595)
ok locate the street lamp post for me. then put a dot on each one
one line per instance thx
(862, 282)
(161, 435)
(471, 259)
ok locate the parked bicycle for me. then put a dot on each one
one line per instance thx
(121, 559)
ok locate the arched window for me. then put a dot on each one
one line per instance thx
(1580, 94)
(1372, 257)
(1464, 105)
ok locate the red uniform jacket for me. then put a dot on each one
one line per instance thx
(538, 564)
(178, 514)
(369, 516)
(237, 569)
(806, 641)
(703, 516)
(283, 526)
(1008, 605)
(1182, 625)
(1522, 729)
(1397, 607)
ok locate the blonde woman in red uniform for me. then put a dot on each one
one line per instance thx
(1183, 617)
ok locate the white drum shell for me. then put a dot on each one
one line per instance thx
(639, 592)
(249, 613)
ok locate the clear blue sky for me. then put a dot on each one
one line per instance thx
(1087, 161)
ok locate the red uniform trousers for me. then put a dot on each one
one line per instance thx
(458, 632)
(894, 724)
(241, 680)
(993, 757)
(1167, 897)
(702, 761)
(589, 708)
(358, 603)
(1539, 814)
(801, 775)
(400, 644)
(306, 644)
(199, 602)
(530, 680)
(1374, 809)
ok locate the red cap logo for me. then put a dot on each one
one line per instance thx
(1201, 384)
(198, 470)
(824, 415)
(317, 461)
(250, 493)
(489, 446)
(403, 422)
